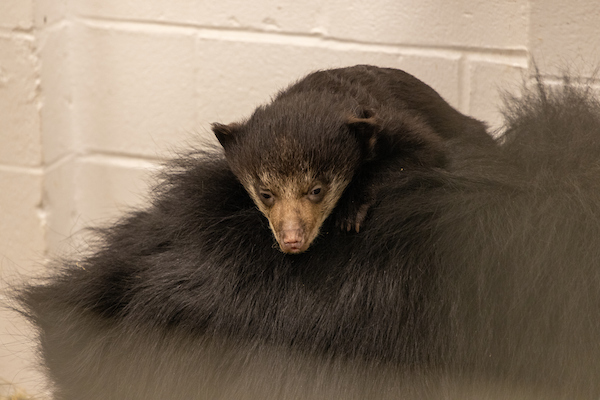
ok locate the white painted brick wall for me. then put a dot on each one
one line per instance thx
(16, 14)
(22, 221)
(94, 92)
(135, 91)
(19, 119)
(432, 23)
(566, 36)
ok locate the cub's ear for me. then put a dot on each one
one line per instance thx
(226, 134)
(366, 128)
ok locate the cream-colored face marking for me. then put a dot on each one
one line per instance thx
(296, 206)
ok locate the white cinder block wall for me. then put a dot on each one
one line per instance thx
(94, 92)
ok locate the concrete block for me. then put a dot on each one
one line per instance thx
(16, 14)
(134, 89)
(106, 187)
(269, 15)
(463, 23)
(441, 72)
(22, 221)
(48, 12)
(565, 37)
(153, 10)
(488, 82)
(236, 76)
(55, 74)
(91, 191)
(19, 102)
(61, 206)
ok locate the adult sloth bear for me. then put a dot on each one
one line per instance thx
(360, 239)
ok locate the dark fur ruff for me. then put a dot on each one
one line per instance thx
(479, 278)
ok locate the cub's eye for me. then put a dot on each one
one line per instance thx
(316, 194)
(267, 197)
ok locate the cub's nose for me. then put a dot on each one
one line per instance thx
(292, 241)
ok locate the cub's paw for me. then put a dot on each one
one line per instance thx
(352, 217)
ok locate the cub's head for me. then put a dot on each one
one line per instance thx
(295, 157)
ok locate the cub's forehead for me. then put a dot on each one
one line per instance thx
(288, 162)
(283, 155)
(281, 183)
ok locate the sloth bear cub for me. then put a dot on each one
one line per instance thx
(333, 133)
(358, 238)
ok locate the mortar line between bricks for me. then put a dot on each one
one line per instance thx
(17, 34)
(55, 26)
(593, 83)
(59, 162)
(22, 169)
(122, 157)
(40, 169)
(248, 34)
(113, 158)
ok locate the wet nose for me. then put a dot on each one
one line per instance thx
(292, 240)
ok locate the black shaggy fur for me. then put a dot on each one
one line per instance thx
(478, 279)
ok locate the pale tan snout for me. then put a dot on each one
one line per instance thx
(294, 225)
(291, 237)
